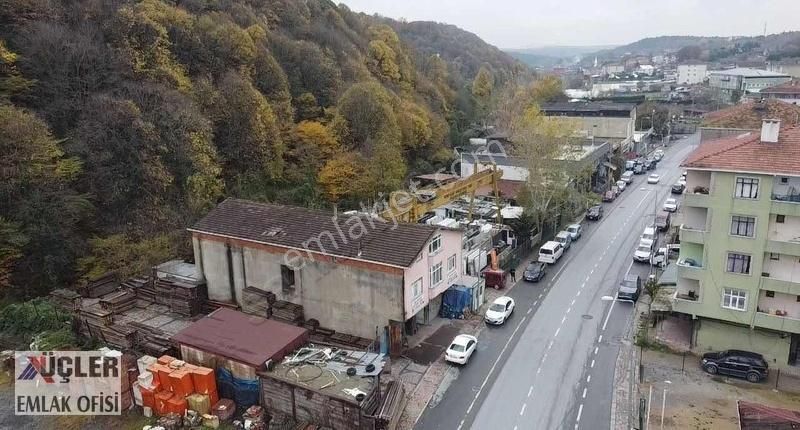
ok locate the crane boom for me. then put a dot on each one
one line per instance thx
(404, 206)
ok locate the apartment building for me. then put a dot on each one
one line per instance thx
(691, 74)
(739, 264)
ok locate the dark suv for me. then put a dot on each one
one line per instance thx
(630, 288)
(741, 364)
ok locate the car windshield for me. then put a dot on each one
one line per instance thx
(497, 307)
(572, 229)
(647, 236)
(545, 251)
(533, 268)
(670, 201)
(457, 348)
(643, 248)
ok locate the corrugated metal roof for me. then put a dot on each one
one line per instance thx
(241, 337)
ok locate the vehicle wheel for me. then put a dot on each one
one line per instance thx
(753, 377)
(711, 369)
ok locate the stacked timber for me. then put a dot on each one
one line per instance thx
(212, 305)
(91, 319)
(118, 335)
(66, 299)
(391, 407)
(328, 337)
(287, 312)
(152, 341)
(142, 287)
(183, 298)
(256, 301)
(118, 301)
(100, 286)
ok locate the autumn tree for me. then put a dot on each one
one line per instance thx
(341, 177)
(483, 89)
(368, 112)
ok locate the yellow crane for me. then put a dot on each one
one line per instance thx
(406, 206)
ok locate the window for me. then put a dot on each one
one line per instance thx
(780, 219)
(743, 226)
(451, 263)
(734, 299)
(770, 293)
(784, 180)
(774, 256)
(436, 274)
(746, 188)
(287, 278)
(435, 245)
(738, 263)
(416, 288)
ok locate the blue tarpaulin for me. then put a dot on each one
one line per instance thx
(454, 300)
(243, 392)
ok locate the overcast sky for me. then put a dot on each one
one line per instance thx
(534, 23)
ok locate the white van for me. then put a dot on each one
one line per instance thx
(550, 252)
(649, 236)
(627, 176)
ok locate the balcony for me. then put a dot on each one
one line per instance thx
(696, 200)
(780, 285)
(791, 247)
(687, 296)
(776, 322)
(686, 271)
(691, 235)
(786, 204)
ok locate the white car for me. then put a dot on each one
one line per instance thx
(575, 230)
(461, 349)
(649, 236)
(653, 178)
(643, 252)
(671, 205)
(621, 185)
(501, 309)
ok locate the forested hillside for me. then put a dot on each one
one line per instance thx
(122, 121)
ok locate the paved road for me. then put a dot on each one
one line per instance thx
(563, 339)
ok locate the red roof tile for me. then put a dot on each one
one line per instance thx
(749, 115)
(746, 153)
(791, 87)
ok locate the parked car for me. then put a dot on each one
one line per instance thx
(658, 154)
(565, 239)
(649, 165)
(678, 187)
(741, 364)
(671, 205)
(629, 165)
(638, 169)
(630, 287)
(621, 185)
(461, 349)
(653, 178)
(534, 272)
(550, 252)
(594, 213)
(575, 230)
(663, 220)
(643, 253)
(500, 310)
(627, 176)
(662, 255)
(609, 196)
(649, 236)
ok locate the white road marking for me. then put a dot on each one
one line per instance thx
(580, 411)
(584, 393)
(600, 339)
(564, 318)
(592, 365)
(605, 323)
(530, 390)
(578, 293)
(540, 295)
(530, 310)
(588, 378)
(539, 370)
(595, 350)
(573, 302)
(491, 371)
(515, 427)
(522, 411)
(557, 331)
(570, 308)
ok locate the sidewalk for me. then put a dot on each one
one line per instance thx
(434, 380)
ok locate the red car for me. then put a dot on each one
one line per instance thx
(609, 196)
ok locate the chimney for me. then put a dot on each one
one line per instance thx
(769, 130)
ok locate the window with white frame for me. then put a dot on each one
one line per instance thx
(743, 226)
(734, 299)
(738, 263)
(746, 188)
(435, 245)
(416, 288)
(436, 274)
(451, 263)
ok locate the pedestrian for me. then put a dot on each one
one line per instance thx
(513, 273)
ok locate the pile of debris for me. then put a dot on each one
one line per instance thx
(388, 414)
(328, 337)
(66, 299)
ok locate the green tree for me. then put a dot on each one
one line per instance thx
(368, 111)
(11, 81)
(482, 90)
(12, 242)
(126, 255)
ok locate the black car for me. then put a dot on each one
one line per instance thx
(678, 188)
(630, 288)
(742, 364)
(534, 272)
(594, 213)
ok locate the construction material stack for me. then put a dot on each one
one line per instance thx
(169, 385)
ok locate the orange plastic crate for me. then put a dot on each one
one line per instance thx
(165, 359)
(177, 404)
(162, 399)
(204, 380)
(181, 382)
(148, 397)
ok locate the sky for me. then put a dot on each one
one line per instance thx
(536, 23)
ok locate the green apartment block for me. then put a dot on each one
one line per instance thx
(739, 265)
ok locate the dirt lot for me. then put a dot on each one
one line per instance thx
(696, 400)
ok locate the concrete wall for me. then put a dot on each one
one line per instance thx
(510, 173)
(716, 336)
(788, 231)
(421, 269)
(350, 298)
(711, 133)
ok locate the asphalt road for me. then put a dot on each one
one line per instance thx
(551, 366)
